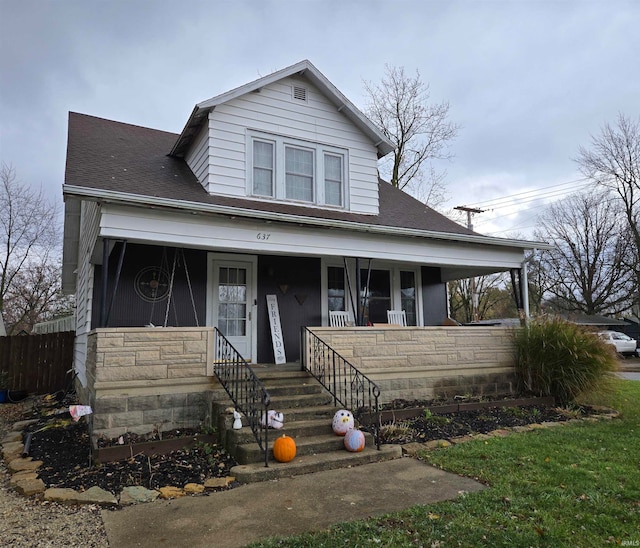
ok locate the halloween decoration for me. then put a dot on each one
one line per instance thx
(275, 419)
(342, 422)
(284, 449)
(354, 440)
(237, 420)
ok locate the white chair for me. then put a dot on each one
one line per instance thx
(338, 318)
(397, 317)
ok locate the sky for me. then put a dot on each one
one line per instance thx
(528, 82)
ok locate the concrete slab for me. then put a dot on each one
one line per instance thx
(631, 376)
(284, 507)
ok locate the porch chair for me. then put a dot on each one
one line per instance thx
(397, 317)
(338, 318)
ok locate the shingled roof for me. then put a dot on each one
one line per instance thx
(104, 155)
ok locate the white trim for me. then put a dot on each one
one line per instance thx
(318, 149)
(149, 202)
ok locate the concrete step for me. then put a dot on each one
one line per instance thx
(307, 464)
(289, 389)
(305, 445)
(292, 428)
(285, 402)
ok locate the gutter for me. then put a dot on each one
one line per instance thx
(110, 196)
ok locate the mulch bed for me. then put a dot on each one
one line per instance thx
(65, 449)
(64, 446)
(445, 426)
(66, 455)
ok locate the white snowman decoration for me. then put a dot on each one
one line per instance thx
(343, 422)
(237, 420)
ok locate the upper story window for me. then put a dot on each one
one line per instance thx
(263, 161)
(290, 169)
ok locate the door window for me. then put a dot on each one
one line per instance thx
(232, 301)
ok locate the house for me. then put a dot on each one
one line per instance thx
(270, 189)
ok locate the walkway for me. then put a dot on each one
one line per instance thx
(284, 507)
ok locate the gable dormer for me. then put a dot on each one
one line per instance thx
(290, 137)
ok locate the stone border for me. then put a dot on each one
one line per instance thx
(25, 481)
(24, 470)
(413, 449)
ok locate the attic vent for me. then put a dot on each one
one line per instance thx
(300, 93)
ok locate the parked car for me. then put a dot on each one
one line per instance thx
(623, 344)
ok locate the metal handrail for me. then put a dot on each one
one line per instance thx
(244, 388)
(348, 386)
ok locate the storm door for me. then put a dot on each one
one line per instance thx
(233, 304)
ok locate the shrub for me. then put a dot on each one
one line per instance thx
(561, 359)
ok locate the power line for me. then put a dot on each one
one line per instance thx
(496, 202)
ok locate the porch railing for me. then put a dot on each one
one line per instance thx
(244, 388)
(348, 386)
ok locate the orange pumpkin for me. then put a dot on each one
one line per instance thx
(284, 448)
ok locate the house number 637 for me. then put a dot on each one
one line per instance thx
(263, 236)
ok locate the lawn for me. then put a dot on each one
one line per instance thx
(575, 485)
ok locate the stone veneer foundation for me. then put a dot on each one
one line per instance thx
(428, 362)
(145, 379)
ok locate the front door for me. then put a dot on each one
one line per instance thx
(233, 303)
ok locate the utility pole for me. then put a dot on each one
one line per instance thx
(474, 295)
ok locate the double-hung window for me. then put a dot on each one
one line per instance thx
(333, 177)
(263, 160)
(299, 173)
(290, 169)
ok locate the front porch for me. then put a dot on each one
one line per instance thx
(145, 378)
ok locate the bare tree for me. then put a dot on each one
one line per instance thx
(420, 131)
(613, 162)
(35, 296)
(585, 271)
(494, 298)
(28, 233)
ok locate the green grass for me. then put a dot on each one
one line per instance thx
(576, 485)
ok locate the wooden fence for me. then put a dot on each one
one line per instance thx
(37, 364)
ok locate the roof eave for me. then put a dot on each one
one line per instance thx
(108, 196)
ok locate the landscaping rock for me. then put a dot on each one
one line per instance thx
(28, 486)
(217, 483)
(12, 450)
(412, 448)
(436, 444)
(193, 488)
(171, 492)
(11, 437)
(137, 494)
(20, 464)
(21, 425)
(93, 495)
(499, 433)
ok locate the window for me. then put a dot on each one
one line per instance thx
(335, 288)
(290, 169)
(377, 300)
(333, 179)
(262, 168)
(232, 299)
(299, 174)
(408, 295)
(387, 287)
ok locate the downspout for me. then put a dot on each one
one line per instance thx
(525, 291)
(358, 285)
